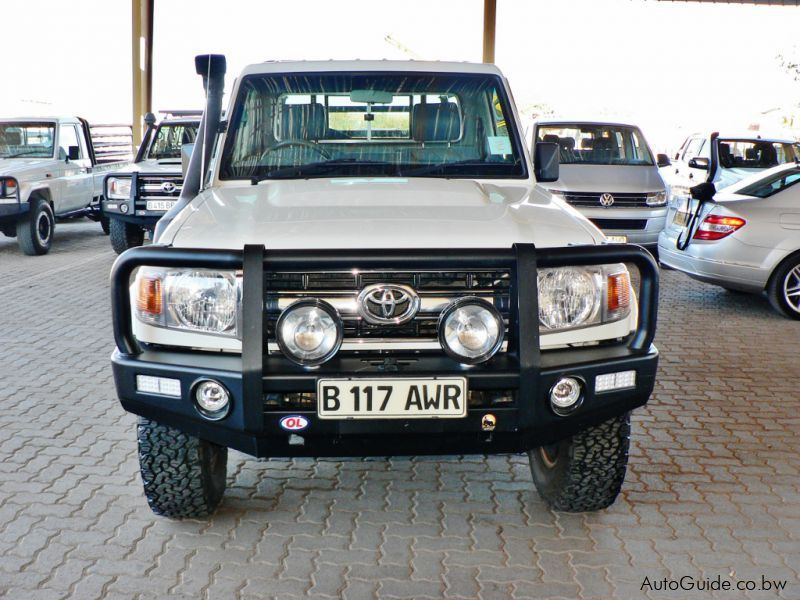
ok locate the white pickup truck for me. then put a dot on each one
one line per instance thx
(54, 168)
(362, 263)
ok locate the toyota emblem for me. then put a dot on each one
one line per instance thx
(606, 200)
(168, 187)
(387, 304)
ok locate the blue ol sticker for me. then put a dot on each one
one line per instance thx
(294, 423)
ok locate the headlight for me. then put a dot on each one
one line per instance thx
(118, 188)
(571, 297)
(656, 198)
(189, 300)
(309, 332)
(8, 189)
(471, 330)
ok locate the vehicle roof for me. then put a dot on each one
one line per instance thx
(179, 120)
(334, 66)
(759, 176)
(570, 121)
(747, 135)
(41, 119)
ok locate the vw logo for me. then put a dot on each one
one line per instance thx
(606, 200)
(387, 304)
(168, 187)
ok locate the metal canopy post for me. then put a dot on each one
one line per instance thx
(141, 64)
(489, 26)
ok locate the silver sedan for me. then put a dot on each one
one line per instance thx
(747, 238)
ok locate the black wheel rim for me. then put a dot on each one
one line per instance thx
(43, 228)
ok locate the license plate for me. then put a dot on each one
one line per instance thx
(434, 398)
(160, 204)
(617, 239)
(681, 219)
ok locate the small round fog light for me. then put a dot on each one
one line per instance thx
(123, 208)
(212, 399)
(566, 395)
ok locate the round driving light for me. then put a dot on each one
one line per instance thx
(212, 399)
(309, 332)
(123, 208)
(471, 330)
(566, 395)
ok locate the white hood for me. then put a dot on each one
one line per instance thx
(608, 178)
(11, 166)
(377, 213)
(151, 165)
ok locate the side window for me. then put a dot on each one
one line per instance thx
(705, 150)
(693, 148)
(67, 137)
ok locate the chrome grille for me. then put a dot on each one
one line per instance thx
(150, 188)
(592, 199)
(340, 289)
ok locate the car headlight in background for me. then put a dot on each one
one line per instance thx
(8, 189)
(571, 297)
(118, 188)
(309, 332)
(656, 198)
(471, 330)
(195, 300)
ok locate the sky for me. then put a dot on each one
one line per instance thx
(670, 67)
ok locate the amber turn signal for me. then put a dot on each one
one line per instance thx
(148, 297)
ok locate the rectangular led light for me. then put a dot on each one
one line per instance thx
(147, 384)
(615, 381)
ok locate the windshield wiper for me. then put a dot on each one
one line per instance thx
(317, 168)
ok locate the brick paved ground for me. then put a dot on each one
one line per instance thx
(712, 487)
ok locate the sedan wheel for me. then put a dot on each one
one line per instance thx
(784, 288)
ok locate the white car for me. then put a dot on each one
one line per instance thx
(747, 238)
(52, 167)
(609, 173)
(725, 158)
(362, 262)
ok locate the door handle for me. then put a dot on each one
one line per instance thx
(691, 175)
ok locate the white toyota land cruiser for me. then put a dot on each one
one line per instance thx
(362, 263)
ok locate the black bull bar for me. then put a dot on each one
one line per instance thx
(523, 367)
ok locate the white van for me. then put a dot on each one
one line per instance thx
(609, 173)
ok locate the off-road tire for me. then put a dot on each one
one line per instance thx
(35, 229)
(124, 235)
(788, 269)
(183, 476)
(105, 225)
(586, 471)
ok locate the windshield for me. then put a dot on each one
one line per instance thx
(29, 140)
(372, 124)
(169, 138)
(755, 154)
(774, 183)
(597, 144)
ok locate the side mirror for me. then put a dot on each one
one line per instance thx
(662, 160)
(703, 191)
(73, 153)
(699, 163)
(186, 154)
(545, 162)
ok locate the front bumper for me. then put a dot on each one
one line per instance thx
(252, 425)
(628, 221)
(12, 211)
